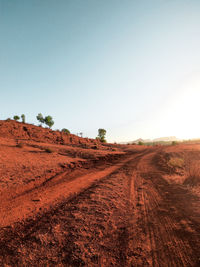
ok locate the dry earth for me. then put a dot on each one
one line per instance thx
(129, 208)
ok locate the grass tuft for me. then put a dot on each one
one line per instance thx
(193, 171)
(176, 162)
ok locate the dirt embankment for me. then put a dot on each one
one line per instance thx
(32, 154)
(24, 131)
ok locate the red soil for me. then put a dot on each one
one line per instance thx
(86, 204)
(23, 131)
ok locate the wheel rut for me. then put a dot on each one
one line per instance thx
(129, 217)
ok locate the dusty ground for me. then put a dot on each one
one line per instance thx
(140, 207)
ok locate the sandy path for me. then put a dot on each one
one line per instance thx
(128, 216)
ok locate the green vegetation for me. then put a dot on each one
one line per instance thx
(140, 143)
(101, 135)
(163, 143)
(176, 162)
(64, 130)
(174, 143)
(23, 118)
(16, 117)
(40, 118)
(48, 120)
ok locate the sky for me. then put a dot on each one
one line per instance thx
(131, 67)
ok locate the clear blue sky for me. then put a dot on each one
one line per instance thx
(131, 67)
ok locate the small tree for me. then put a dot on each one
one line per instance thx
(64, 130)
(48, 120)
(174, 143)
(40, 118)
(23, 118)
(16, 117)
(101, 135)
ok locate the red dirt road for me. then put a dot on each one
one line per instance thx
(124, 213)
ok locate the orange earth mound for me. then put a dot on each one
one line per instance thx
(32, 154)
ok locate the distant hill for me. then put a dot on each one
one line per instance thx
(141, 140)
(166, 139)
(137, 141)
(161, 139)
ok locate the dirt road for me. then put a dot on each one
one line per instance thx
(123, 214)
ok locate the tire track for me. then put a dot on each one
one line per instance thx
(130, 217)
(17, 208)
(90, 229)
(167, 248)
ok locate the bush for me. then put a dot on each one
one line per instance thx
(23, 118)
(193, 171)
(64, 130)
(140, 143)
(174, 143)
(16, 117)
(49, 121)
(176, 162)
(40, 118)
(101, 135)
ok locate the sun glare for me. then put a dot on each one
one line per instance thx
(184, 109)
(180, 115)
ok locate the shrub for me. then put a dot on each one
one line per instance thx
(174, 143)
(193, 171)
(49, 121)
(40, 118)
(140, 143)
(23, 118)
(176, 162)
(64, 130)
(101, 135)
(16, 117)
